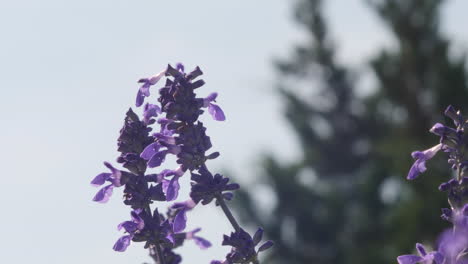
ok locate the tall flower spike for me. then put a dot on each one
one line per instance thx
(180, 134)
(453, 243)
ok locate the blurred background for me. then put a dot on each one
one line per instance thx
(325, 100)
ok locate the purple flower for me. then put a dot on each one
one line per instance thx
(131, 227)
(199, 241)
(182, 135)
(179, 214)
(423, 258)
(155, 153)
(205, 186)
(215, 111)
(453, 244)
(171, 187)
(146, 84)
(421, 157)
(243, 246)
(114, 178)
(150, 111)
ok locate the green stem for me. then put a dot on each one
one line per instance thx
(227, 212)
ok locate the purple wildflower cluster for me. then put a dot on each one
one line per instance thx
(452, 245)
(171, 127)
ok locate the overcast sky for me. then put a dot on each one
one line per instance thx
(68, 72)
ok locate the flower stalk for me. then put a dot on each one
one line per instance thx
(171, 126)
(452, 246)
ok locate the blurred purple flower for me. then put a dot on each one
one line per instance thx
(421, 157)
(423, 258)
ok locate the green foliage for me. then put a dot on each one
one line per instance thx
(355, 150)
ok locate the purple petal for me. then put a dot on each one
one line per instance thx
(137, 219)
(188, 205)
(438, 257)
(155, 78)
(144, 89)
(139, 99)
(157, 159)
(437, 129)
(180, 67)
(128, 226)
(427, 154)
(103, 195)
(228, 196)
(210, 98)
(150, 150)
(100, 179)
(418, 167)
(191, 234)
(150, 110)
(216, 112)
(409, 259)
(465, 210)
(201, 242)
(232, 187)
(268, 244)
(258, 236)
(122, 244)
(453, 114)
(170, 237)
(111, 168)
(421, 250)
(173, 189)
(421, 157)
(180, 221)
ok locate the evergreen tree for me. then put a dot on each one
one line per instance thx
(331, 206)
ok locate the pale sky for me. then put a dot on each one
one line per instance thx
(68, 72)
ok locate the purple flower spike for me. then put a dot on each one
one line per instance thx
(424, 258)
(421, 157)
(170, 127)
